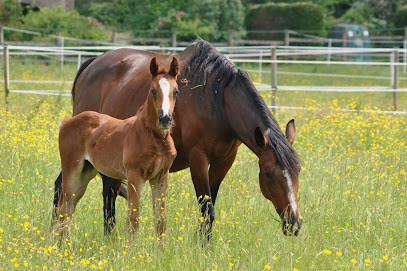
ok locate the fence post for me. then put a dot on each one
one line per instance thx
(274, 79)
(114, 36)
(405, 48)
(1, 34)
(286, 37)
(79, 61)
(230, 38)
(260, 64)
(329, 50)
(6, 73)
(395, 80)
(174, 38)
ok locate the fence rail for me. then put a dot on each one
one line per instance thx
(143, 37)
(259, 55)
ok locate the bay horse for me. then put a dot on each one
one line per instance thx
(218, 108)
(138, 149)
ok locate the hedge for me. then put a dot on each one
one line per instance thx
(280, 16)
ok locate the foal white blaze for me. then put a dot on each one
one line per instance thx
(165, 88)
(291, 197)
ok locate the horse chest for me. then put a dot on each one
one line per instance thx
(156, 165)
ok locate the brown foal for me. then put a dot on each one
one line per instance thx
(138, 149)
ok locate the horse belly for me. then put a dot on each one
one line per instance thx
(104, 150)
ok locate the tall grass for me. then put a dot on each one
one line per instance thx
(352, 197)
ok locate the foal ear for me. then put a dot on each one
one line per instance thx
(174, 67)
(259, 137)
(154, 67)
(290, 131)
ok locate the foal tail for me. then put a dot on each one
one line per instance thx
(81, 68)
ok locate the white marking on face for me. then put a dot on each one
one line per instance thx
(165, 88)
(87, 158)
(291, 197)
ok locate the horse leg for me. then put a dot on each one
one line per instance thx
(57, 194)
(110, 190)
(218, 171)
(134, 188)
(159, 188)
(199, 172)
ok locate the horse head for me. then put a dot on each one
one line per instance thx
(279, 184)
(164, 89)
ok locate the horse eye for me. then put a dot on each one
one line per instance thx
(269, 175)
(175, 93)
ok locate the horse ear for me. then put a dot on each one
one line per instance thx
(290, 131)
(154, 67)
(259, 137)
(174, 67)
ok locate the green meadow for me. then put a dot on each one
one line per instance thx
(352, 196)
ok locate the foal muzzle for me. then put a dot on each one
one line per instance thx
(164, 121)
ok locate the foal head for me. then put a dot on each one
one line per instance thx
(164, 89)
(279, 184)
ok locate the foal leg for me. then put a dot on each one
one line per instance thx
(159, 188)
(135, 184)
(110, 190)
(74, 184)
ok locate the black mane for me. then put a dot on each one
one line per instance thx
(282, 149)
(216, 72)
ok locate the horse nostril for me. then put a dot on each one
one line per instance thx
(291, 226)
(160, 113)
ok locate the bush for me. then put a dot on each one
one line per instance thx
(69, 23)
(296, 16)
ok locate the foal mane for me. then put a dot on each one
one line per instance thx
(208, 68)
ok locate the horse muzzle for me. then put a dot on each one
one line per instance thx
(291, 225)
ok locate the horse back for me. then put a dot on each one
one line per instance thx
(116, 83)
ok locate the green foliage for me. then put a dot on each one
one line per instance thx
(187, 27)
(232, 17)
(296, 16)
(210, 19)
(374, 14)
(69, 23)
(358, 15)
(10, 12)
(400, 19)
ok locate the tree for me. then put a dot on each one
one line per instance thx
(211, 19)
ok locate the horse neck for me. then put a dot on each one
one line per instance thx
(243, 117)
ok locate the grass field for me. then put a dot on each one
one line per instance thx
(352, 195)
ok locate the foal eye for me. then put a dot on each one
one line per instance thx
(154, 92)
(269, 175)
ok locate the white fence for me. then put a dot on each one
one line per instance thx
(258, 55)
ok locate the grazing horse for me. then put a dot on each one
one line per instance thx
(217, 109)
(138, 148)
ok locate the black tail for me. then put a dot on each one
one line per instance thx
(82, 67)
